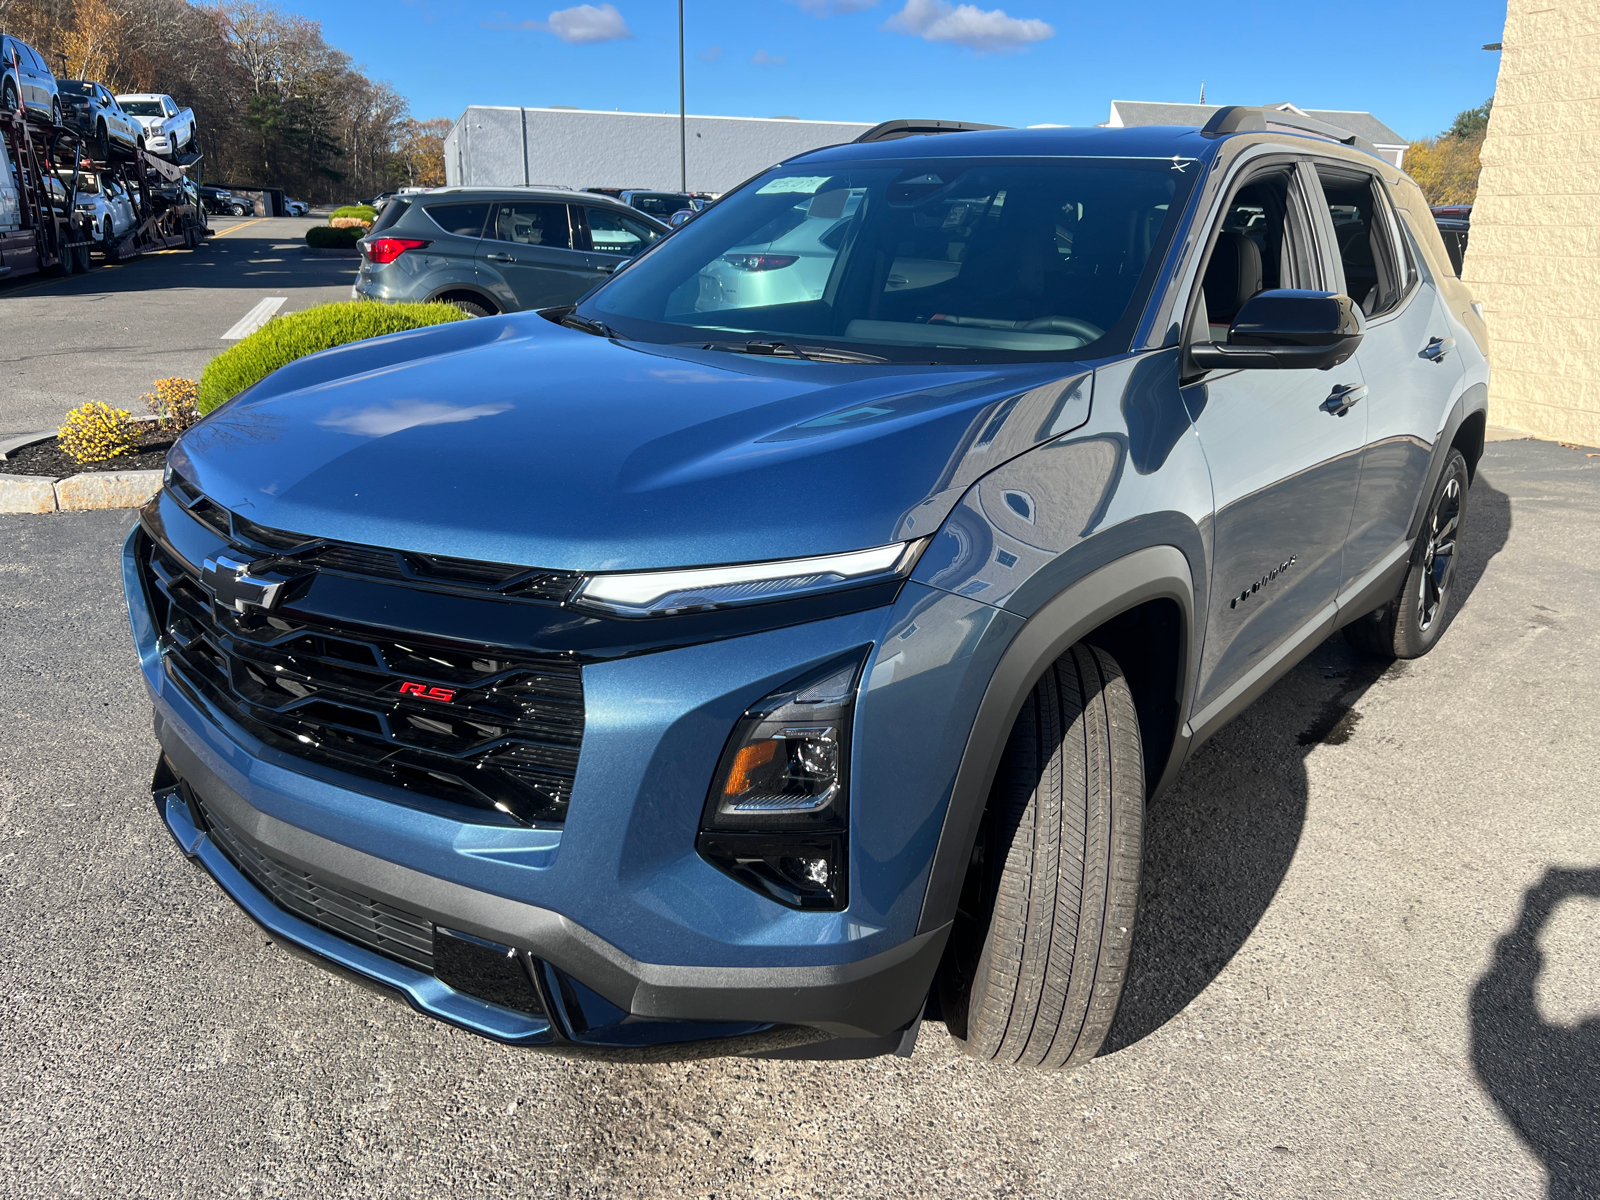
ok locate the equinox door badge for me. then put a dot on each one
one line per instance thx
(1255, 587)
(232, 584)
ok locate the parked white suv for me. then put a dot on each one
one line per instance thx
(168, 129)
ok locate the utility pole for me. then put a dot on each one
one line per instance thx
(683, 120)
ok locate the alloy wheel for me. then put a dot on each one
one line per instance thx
(1439, 561)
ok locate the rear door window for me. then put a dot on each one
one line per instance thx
(611, 232)
(1377, 273)
(463, 220)
(532, 223)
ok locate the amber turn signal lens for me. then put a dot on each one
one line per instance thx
(749, 759)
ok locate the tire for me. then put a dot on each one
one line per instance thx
(1040, 950)
(55, 112)
(237, 210)
(1412, 623)
(8, 97)
(108, 241)
(102, 142)
(193, 145)
(85, 255)
(471, 307)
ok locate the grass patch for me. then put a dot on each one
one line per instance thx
(321, 237)
(360, 212)
(283, 340)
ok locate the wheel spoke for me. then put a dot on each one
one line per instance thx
(1444, 550)
(1449, 527)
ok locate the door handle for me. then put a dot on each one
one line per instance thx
(1344, 398)
(1437, 348)
(501, 258)
(606, 268)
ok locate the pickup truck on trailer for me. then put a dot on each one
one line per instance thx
(168, 129)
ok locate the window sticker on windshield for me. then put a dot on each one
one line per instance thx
(799, 185)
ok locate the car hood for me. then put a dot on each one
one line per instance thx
(511, 439)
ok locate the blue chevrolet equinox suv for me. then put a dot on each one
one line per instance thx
(781, 645)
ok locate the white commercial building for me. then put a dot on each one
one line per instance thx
(1391, 147)
(579, 148)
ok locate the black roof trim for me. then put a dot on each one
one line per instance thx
(1240, 118)
(889, 131)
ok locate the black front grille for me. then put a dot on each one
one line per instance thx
(494, 730)
(390, 931)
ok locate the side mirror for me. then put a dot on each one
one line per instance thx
(1286, 328)
(681, 217)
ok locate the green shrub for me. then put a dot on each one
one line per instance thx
(361, 212)
(320, 237)
(283, 340)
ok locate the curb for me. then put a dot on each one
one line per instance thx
(74, 493)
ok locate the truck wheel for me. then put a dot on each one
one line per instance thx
(102, 142)
(55, 112)
(237, 210)
(1409, 625)
(108, 241)
(8, 97)
(471, 307)
(1045, 925)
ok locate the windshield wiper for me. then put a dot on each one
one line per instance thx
(791, 350)
(587, 325)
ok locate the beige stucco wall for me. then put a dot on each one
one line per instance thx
(1533, 259)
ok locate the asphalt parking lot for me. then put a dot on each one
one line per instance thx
(109, 334)
(1366, 963)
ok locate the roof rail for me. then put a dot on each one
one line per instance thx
(1240, 118)
(889, 131)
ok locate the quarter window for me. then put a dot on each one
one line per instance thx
(529, 223)
(463, 220)
(611, 232)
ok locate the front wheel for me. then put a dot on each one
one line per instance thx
(471, 307)
(1412, 623)
(8, 97)
(237, 210)
(1045, 925)
(102, 142)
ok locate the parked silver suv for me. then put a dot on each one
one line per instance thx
(494, 250)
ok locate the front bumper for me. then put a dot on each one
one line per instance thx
(576, 904)
(593, 994)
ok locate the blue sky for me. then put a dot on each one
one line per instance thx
(1019, 62)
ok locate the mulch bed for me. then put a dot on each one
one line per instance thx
(47, 458)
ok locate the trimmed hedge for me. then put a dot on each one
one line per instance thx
(287, 338)
(321, 237)
(361, 212)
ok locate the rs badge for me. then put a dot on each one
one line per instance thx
(443, 695)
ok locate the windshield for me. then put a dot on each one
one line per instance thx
(142, 108)
(930, 260)
(658, 204)
(75, 87)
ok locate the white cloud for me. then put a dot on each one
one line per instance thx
(828, 8)
(586, 24)
(380, 420)
(710, 55)
(762, 59)
(987, 31)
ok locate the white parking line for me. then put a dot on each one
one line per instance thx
(255, 318)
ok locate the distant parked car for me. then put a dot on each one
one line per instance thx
(106, 207)
(26, 82)
(661, 205)
(222, 202)
(168, 129)
(297, 208)
(185, 211)
(494, 250)
(1454, 222)
(93, 111)
(379, 200)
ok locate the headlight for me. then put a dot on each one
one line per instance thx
(777, 816)
(664, 593)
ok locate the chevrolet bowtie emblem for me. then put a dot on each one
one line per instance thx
(232, 584)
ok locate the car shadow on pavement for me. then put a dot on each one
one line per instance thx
(1545, 1077)
(1219, 844)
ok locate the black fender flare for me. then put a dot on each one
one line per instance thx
(1473, 401)
(1152, 573)
(468, 289)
